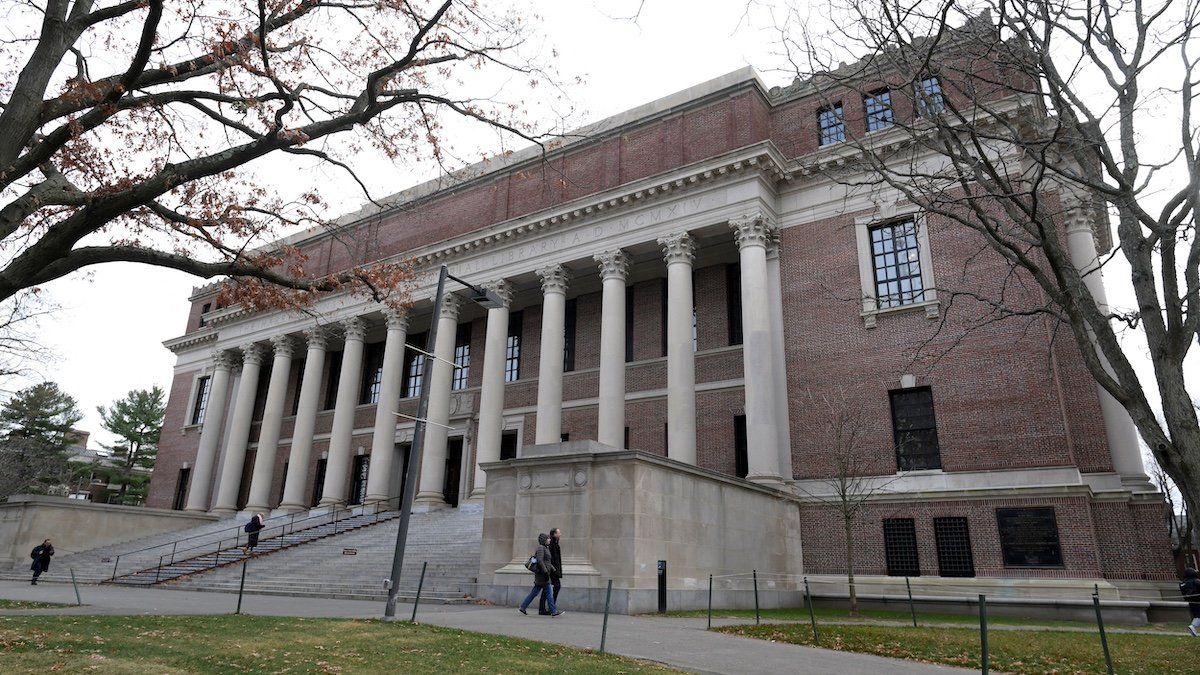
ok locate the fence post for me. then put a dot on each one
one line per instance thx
(710, 602)
(911, 608)
(115, 563)
(78, 601)
(242, 585)
(604, 628)
(811, 614)
(158, 571)
(420, 584)
(173, 545)
(757, 617)
(983, 642)
(1103, 637)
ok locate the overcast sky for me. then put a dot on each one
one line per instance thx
(108, 335)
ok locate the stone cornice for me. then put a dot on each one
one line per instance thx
(186, 342)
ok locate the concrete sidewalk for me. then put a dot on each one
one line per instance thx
(682, 643)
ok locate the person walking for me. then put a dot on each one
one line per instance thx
(253, 527)
(542, 568)
(1190, 588)
(556, 577)
(41, 559)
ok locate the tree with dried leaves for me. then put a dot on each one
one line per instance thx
(1025, 126)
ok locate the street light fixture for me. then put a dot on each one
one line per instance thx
(490, 300)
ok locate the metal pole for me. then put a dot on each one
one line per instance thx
(242, 585)
(412, 468)
(604, 628)
(79, 602)
(757, 617)
(173, 545)
(710, 602)
(983, 659)
(158, 571)
(911, 608)
(115, 563)
(420, 584)
(1103, 636)
(811, 614)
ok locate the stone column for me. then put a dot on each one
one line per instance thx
(1119, 429)
(762, 433)
(679, 250)
(383, 441)
(296, 482)
(491, 393)
(550, 362)
(779, 357)
(268, 434)
(210, 433)
(433, 454)
(239, 431)
(337, 469)
(610, 426)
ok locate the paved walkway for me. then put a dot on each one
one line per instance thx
(682, 643)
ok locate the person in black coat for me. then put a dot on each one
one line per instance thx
(253, 527)
(556, 577)
(1190, 589)
(41, 559)
(542, 569)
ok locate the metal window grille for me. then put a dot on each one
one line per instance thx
(878, 106)
(953, 547)
(201, 405)
(1029, 537)
(900, 547)
(896, 259)
(832, 124)
(930, 100)
(914, 430)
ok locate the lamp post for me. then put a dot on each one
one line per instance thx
(487, 299)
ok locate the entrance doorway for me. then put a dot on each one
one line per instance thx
(358, 480)
(454, 453)
(181, 489)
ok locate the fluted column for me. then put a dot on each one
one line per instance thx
(679, 250)
(491, 392)
(296, 482)
(779, 357)
(239, 431)
(268, 434)
(433, 454)
(610, 423)
(1119, 429)
(337, 469)
(383, 441)
(762, 432)
(210, 433)
(550, 361)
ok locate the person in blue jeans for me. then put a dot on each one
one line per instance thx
(542, 571)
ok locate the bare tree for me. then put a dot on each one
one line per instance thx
(1024, 125)
(1180, 524)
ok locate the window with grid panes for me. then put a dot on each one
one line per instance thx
(953, 547)
(900, 547)
(831, 124)
(1029, 537)
(372, 379)
(878, 105)
(512, 348)
(896, 260)
(331, 382)
(414, 368)
(914, 430)
(462, 357)
(201, 404)
(930, 100)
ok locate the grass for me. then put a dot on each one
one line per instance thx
(29, 604)
(1032, 652)
(869, 616)
(222, 644)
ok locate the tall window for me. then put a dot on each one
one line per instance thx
(914, 430)
(512, 348)
(508, 445)
(741, 456)
(878, 106)
(414, 367)
(201, 404)
(1029, 537)
(733, 302)
(953, 547)
(896, 258)
(205, 310)
(832, 124)
(462, 356)
(569, 321)
(331, 383)
(372, 379)
(900, 547)
(930, 100)
(299, 371)
(628, 326)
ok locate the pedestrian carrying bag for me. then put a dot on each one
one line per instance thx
(532, 564)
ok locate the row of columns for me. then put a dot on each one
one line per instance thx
(765, 405)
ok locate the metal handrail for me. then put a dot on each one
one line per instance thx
(285, 528)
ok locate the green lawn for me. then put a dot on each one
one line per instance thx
(876, 616)
(29, 604)
(1031, 651)
(222, 644)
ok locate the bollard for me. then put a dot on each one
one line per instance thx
(241, 586)
(757, 617)
(811, 614)
(662, 586)
(983, 659)
(911, 608)
(710, 602)
(604, 628)
(78, 601)
(1103, 637)
(420, 584)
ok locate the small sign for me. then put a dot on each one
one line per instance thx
(105, 560)
(349, 551)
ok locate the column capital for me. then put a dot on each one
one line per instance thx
(397, 319)
(253, 353)
(355, 328)
(316, 337)
(284, 345)
(554, 279)
(753, 229)
(502, 289)
(224, 359)
(450, 306)
(678, 248)
(614, 264)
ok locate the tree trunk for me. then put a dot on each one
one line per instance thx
(849, 525)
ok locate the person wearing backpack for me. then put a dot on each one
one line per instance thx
(41, 559)
(539, 563)
(1190, 589)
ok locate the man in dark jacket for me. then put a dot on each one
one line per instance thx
(1190, 588)
(556, 577)
(41, 559)
(542, 569)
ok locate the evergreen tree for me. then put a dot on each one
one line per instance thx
(137, 420)
(36, 427)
